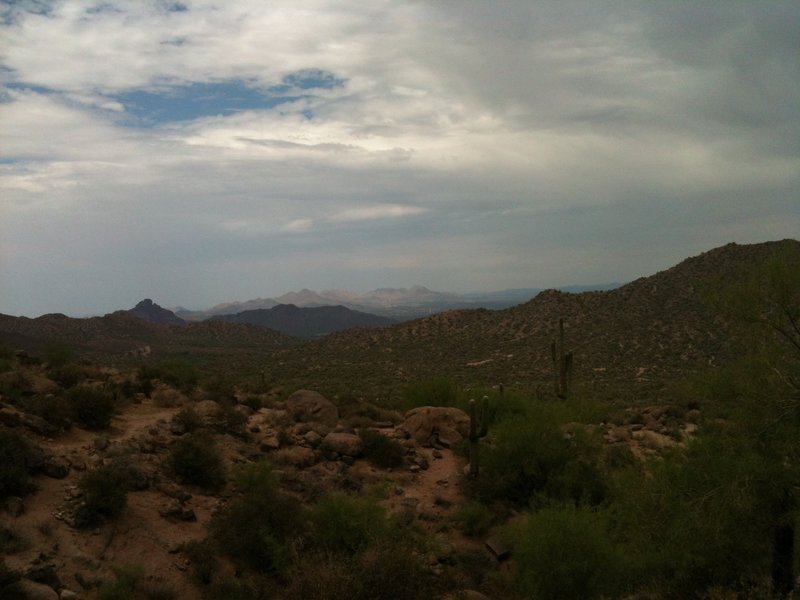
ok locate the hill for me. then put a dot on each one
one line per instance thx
(308, 322)
(148, 310)
(649, 331)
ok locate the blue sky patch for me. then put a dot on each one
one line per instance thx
(198, 100)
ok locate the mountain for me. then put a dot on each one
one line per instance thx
(307, 322)
(395, 303)
(151, 312)
(645, 333)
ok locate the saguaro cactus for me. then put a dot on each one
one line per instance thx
(478, 428)
(562, 364)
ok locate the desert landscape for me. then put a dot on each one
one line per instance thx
(460, 455)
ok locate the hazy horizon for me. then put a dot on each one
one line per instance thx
(201, 152)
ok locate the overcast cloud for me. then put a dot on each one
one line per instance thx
(197, 152)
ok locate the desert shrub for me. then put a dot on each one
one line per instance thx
(195, 459)
(566, 552)
(56, 410)
(14, 458)
(708, 515)
(388, 570)
(380, 450)
(474, 518)
(128, 584)
(189, 419)
(229, 420)
(8, 576)
(342, 524)
(104, 494)
(532, 460)
(66, 376)
(11, 541)
(202, 556)
(436, 391)
(257, 529)
(6, 359)
(57, 355)
(92, 407)
(177, 373)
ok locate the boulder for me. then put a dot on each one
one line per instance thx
(55, 467)
(206, 409)
(448, 424)
(348, 444)
(306, 405)
(25, 589)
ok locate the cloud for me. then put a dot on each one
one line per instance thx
(259, 147)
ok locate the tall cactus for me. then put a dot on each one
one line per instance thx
(562, 364)
(478, 428)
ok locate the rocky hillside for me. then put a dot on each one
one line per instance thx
(651, 330)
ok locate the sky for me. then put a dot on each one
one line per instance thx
(198, 152)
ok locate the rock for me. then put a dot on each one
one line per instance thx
(68, 595)
(54, 467)
(206, 410)
(426, 421)
(38, 425)
(25, 589)
(449, 436)
(312, 438)
(619, 434)
(498, 547)
(100, 443)
(269, 443)
(693, 416)
(307, 405)
(348, 444)
(656, 441)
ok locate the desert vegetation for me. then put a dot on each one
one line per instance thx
(175, 478)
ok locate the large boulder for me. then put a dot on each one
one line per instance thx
(25, 589)
(307, 405)
(447, 424)
(348, 444)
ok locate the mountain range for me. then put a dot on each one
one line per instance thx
(394, 303)
(645, 333)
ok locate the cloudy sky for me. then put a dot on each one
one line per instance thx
(204, 151)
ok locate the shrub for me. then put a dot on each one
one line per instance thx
(92, 407)
(57, 354)
(257, 529)
(194, 458)
(341, 524)
(15, 453)
(177, 373)
(11, 541)
(66, 376)
(436, 391)
(203, 559)
(56, 410)
(188, 419)
(474, 518)
(389, 570)
(380, 450)
(105, 494)
(565, 552)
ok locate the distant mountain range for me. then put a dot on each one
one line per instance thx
(394, 303)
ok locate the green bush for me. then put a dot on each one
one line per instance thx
(56, 410)
(341, 524)
(380, 450)
(257, 529)
(474, 518)
(57, 355)
(388, 570)
(177, 373)
(566, 553)
(15, 451)
(203, 559)
(104, 495)
(92, 407)
(436, 391)
(66, 376)
(189, 419)
(195, 459)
